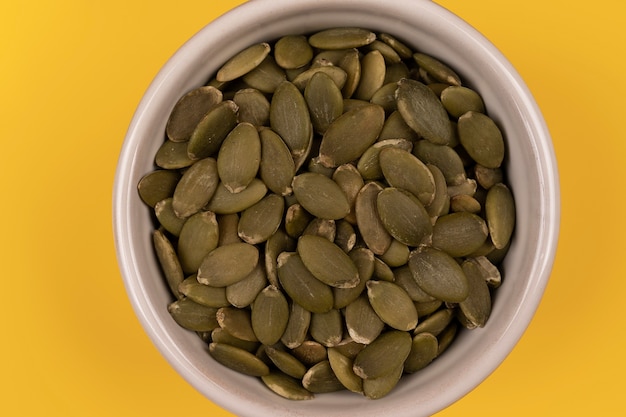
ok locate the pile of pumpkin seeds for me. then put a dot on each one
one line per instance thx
(331, 210)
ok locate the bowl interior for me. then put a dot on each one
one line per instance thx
(530, 167)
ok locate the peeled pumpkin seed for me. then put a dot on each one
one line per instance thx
(382, 271)
(436, 322)
(373, 232)
(310, 352)
(296, 220)
(385, 97)
(193, 316)
(489, 271)
(225, 202)
(423, 112)
(286, 362)
(238, 359)
(293, 51)
(189, 110)
(438, 274)
(327, 262)
(286, 386)
(198, 236)
(321, 378)
(395, 127)
(362, 322)
(254, 108)
(243, 293)
(345, 236)
(228, 264)
(446, 337)
(369, 162)
(375, 388)
(321, 227)
(389, 53)
(203, 294)
(211, 131)
(423, 351)
(219, 335)
(164, 212)
(363, 259)
(388, 351)
(270, 313)
(237, 322)
(327, 328)
(320, 196)
(173, 155)
(397, 254)
(500, 214)
(403, 216)
(443, 157)
(372, 75)
(488, 177)
(276, 167)
(341, 366)
(458, 100)
(465, 203)
(403, 277)
(441, 200)
(168, 260)
(336, 74)
(392, 304)
(342, 38)
(266, 77)
(324, 99)
(459, 234)
(243, 62)
(437, 69)
(157, 186)
(403, 51)
(349, 135)
(351, 64)
(261, 220)
(403, 170)
(239, 157)
(302, 286)
(350, 181)
(276, 244)
(481, 138)
(297, 327)
(425, 308)
(476, 308)
(196, 187)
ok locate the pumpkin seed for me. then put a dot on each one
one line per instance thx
(310, 352)
(237, 359)
(487, 177)
(286, 386)
(336, 74)
(389, 53)
(193, 316)
(286, 362)
(345, 236)
(423, 351)
(392, 304)
(262, 220)
(203, 294)
(327, 328)
(321, 227)
(243, 293)
(362, 322)
(198, 236)
(500, 214)
(254, 108)
(239, 157)
(382, 271)
(438, 274)
(363, 259)
(270, 313)
(173, 155)
(403, 216)
(227, 225)
(321, 378)
(403, 170)
(425, 308)
(436, 322)
(373, 232)
(277, 243)
(320, 196)
(465, 203)
(375, 388)
(441, 200)
(302, 286)
(276, 167)
(350, 181)
(297, 327)
(168, 260)
(489, 271)
(385, 97)
(164, 212)
(403, 277)
(228, 264)
(443, 157)
(446, 337)
(404, 51)
(459, 234)
(387, 352)
(459, 100)
(372, 75)
(324, 99)
(266, 77)
(342, 38)
(237, 322)
(437, 69)
(327, 262)
(189, 110)
(157, 186)
(476, 308)
(211, 131)
(395, 127)
(296, 220)
(397, 254)
(243, 62)
(225, 202)
(423, 112)
(341, 366)
(293, 51)
(481, 138)
(369, 163)
(351, 64)
(219, 335)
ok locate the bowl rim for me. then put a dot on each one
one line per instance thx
(222, 26)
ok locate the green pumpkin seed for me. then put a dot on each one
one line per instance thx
(302, 286)
(404, 279)
(397, 254)
(500, 215)
(372, 75)
(403, 170)
(389, 53)
(369, 163)
(396, 72)
(315, 165)
(443, 157)
(459, 234)
(286, 386)
(320, 196)
(290, 118)
(459, 100)
(277, 167)
(173, 155)
(324, 99)
(157, 186)
(225, 202)
(297, 326)
(489, 271)
(327, 328)
(425, 308)
(238, 359)
(436, 322)
(349, 135)
(392, 304)
(387, 352)
(237, 322)
(488, 177)
(266, 77)
(243, 293)
(465, 203)
(404, 51)
(348, 348)
(262, 220)
(350, 181)
(476, 308)
(189, 110)
(321, 227)
(203, 294)
(198, 237)
(286, 362)
(310, 352)
(278, 243)
(211, 131)
(362, 322)
(437, 69)
(423, 112)
(373, 232)
(395, 127)
(342, 38)
(342, 368)
(351, 64)
(337, 75)
(168, 260)
(382, 271)
(219, 335)
(296, 220)
(243, 62)
(293, 51)
(228, 264)
(164, 212)
(270, 314)
(438, 274)
(254, 108)
(193, 316)
(327, 262)
(363, 259)
(375, 388)
(403, 216)
(441, 200)
(239, 157)
(385, 97)
(481, 138)
(320, 378)
(423, 351)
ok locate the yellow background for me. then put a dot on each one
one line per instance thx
(72, 73)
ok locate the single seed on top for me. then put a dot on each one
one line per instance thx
(243, 62)
(342, 38)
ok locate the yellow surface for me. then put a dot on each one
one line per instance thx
(71, 75)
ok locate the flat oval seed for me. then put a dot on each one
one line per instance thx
(238, 359)
(341, 38)
(369, 163)
(350, 181)
(404, 279)
(277, 167)
(219, 335)
(336, 74)
(270, 314)
(439, 275)
(212, 130)
(459, 234)
(193, 316)
(327, 328)
(488, 177)
(385, 97)
(297, 326)
(239, 157)
(397, 254)
(437, 69)
(500, 215)
(481, 138)
(228, 264)
(189, 110)
(441, 201)
(375, 388)
(351, 134)
(262, 220)
(290, 118)
(476, 308)
(389, 53)
(168, 260)
(362, 322)
(167, 218)
(195, 188)
(392, 304)
(237, 322)
(286, 386)
(403, 216)
(395, 127)
(443, 157)
(243, 62)
(320, 196)
(342, 368)
(404, 51)
(266, 77)
(489, 271)
(324, 100)
(424, 350)
(243, 293)
(293, 51)
(436, 322)
(459, 100)
(254, 108)
(403, 170)
(286, 362)
(388, 351)
(225, 202)
(198, 236)
(173, 155)
(363, 259)
(423, 112)
(373, 232)
(310, 352)
(203, 294)
(351, 64)
(322, 227)
(157, 186)
(302, 286)
(372, 75)
(327, 262)
(321, 378)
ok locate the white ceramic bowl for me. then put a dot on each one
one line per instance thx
(531, 169)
